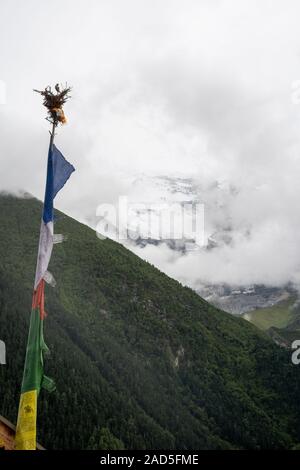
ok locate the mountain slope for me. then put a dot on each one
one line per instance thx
(281, 321)
(135, 352)
(279, 315)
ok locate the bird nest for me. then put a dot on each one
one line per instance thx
(54, 102)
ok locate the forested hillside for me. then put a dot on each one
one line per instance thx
(139, 361)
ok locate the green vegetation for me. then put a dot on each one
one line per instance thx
(105, 440)
(279, 315)
(139, 361)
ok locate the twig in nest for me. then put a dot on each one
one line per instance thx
(54, 103)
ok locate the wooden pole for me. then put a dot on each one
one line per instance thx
(52, 134)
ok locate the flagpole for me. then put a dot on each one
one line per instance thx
(33, 376)
(52, 134)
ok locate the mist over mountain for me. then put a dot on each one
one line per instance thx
(231, 267)
(173, 93)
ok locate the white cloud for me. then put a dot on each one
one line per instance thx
(197, 88)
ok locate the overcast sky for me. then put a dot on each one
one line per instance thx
(186, 88)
